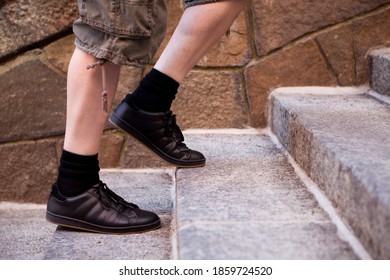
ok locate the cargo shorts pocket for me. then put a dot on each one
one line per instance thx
(123, 18)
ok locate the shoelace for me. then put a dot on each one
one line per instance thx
(104, 93)
(172, 129)
(111, 199)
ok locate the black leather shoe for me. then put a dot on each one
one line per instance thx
(159, 132)
(99, 210)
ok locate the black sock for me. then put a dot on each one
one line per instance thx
(77, 173)
(155, 93)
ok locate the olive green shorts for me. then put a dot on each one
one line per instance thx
(125, 32)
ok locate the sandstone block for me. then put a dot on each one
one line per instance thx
(346, 47)
(280, 22)
(33, 22)
(111, 149)
(27, 170)
(338, 48)
(211, 99)
(32, 101)
(300, 65)
(60, 52)
(370, 32)
(8, 43)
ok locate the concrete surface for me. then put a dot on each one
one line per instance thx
(341, 141)
(24, 232)
(248, 203)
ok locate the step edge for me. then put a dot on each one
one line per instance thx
(321, 90)
(379, 96)
(343, 230)
(274, 122)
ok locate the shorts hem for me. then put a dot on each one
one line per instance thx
(109, 56)
(200, 2)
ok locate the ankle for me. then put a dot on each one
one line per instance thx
(77, 173)
(155, 93)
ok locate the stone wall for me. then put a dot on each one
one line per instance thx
(272, 44)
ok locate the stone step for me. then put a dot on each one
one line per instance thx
(246, 203)
(24, 232)
(339, 137)
(380, 71)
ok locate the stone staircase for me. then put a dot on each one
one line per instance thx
(314, 185)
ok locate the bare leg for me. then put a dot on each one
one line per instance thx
(78, 198)
(198, 30)
(86, 119)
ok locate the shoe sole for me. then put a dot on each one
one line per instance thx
(117, 121)
(85, 226)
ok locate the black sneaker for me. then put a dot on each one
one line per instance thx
(159, 132)
(99, 210)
